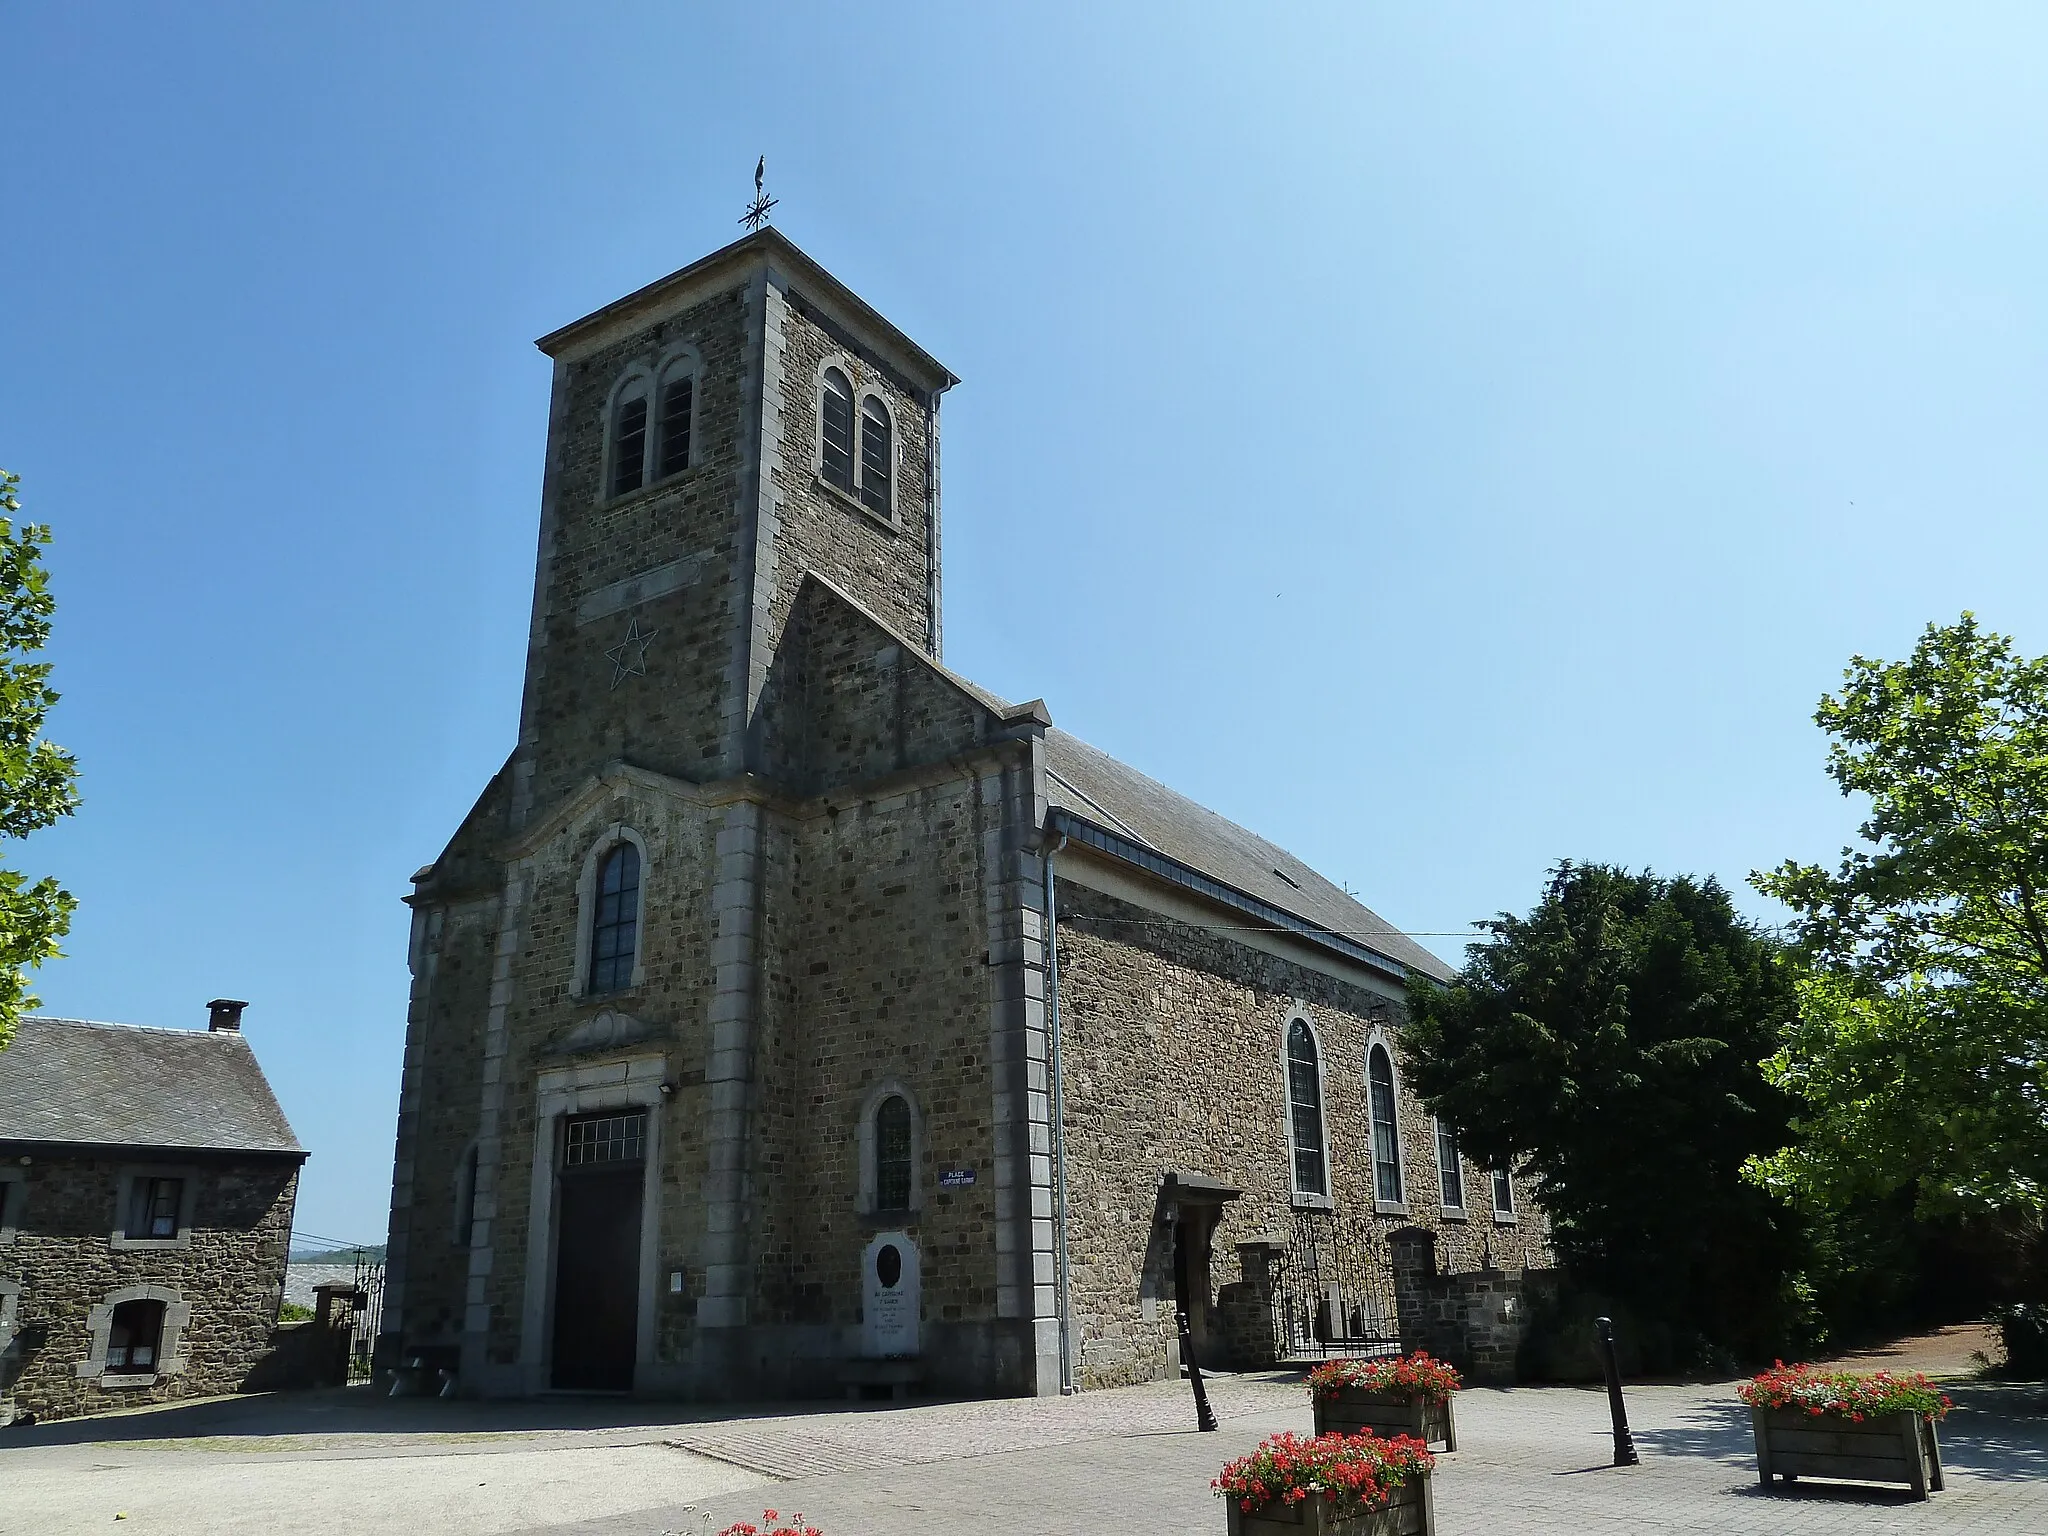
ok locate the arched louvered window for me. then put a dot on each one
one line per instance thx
(614, 925)
(835, 431)
(1386, 1133)
(678, 397)
(1450, 1170)
(892, 1154)
(1305, 1109)
(877, 456)
(629, 439)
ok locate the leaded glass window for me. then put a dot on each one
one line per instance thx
(892, 1154)
(1386, 1134)
(678, 393)
(877, 458)
(629, 442)
(835, 431)
(615, 923)
(597, 1139)
(1449, 1171)
(1305, 1109)
(1503, 1192)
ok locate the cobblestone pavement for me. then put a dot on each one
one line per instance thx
(1533, 1461)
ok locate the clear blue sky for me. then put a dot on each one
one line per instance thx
(1444, 438)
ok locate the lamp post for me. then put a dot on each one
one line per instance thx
(1624, 1444)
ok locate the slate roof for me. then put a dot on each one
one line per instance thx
(67, 1080)
(1096, 787)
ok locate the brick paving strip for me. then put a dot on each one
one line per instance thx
(1536, 1463)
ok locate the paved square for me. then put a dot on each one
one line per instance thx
(1535, 1460)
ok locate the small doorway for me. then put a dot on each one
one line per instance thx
(597, 1251)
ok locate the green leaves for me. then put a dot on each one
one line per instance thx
(1610, 1039)
(37, 778)
(1923, 1030)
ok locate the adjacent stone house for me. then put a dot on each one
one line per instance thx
(740, 1059)
(147, 1178)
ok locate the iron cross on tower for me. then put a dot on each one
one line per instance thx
(757, 211)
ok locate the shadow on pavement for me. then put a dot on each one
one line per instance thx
(1997, 1431)
(359, 1411)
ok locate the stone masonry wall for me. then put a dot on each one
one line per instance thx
(672, 720)
(885, 564)
(1172, 1038)
(231, 1275)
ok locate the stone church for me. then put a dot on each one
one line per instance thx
(790, 1015)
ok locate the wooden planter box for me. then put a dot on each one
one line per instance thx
(1410, 1512)
(1353, 1412)
(1892, 1448)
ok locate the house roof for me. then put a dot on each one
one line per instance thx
(1094, 786)
(81, 1083)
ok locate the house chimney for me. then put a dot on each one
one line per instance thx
(225, 1014)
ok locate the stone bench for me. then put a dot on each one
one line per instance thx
(899, 1376)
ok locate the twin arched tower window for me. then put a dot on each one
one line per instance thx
(863, 467)
(615, 920)
(651, 427)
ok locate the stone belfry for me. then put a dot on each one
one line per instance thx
(692, 479)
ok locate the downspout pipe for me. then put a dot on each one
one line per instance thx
(1059, 1123)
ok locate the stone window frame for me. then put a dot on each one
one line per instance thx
(1443, 1133)
(99, 1323)
(13, 1203)
(10, 1312)
(1503, 1215)
(586, 912)
(864, 388)
(650, 377)
(1305, 1199)
(124, 1191)
(864, 1201)
(1379, 1040)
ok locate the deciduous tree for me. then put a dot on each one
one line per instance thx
(37, 778)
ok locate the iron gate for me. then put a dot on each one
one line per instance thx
(368, 1307)
(1334, 1292)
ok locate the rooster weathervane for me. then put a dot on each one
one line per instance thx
(757, 211)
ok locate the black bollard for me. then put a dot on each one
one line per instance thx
(1624, 1443)
(1204, 1418)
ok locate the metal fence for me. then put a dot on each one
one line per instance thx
(368, 1305)
(1334, 1292)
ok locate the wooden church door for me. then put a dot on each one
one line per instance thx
(597, 1251)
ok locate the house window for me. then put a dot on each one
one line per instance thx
(629, 440)
(1503, 1193)
(876, 456)
(1386, 1134)
(892, 1154)
(1450, 1174)
(133, 1338)
(835, 431)
(598, 1139)
(678, 394)
(1305, 1109)
(615, 922)
(153, 1207)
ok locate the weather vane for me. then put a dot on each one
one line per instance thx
(757, 211)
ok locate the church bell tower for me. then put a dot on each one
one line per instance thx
(712, 438)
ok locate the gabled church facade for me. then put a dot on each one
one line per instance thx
(741, 1060)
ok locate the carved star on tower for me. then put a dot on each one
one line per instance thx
(629, 656)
